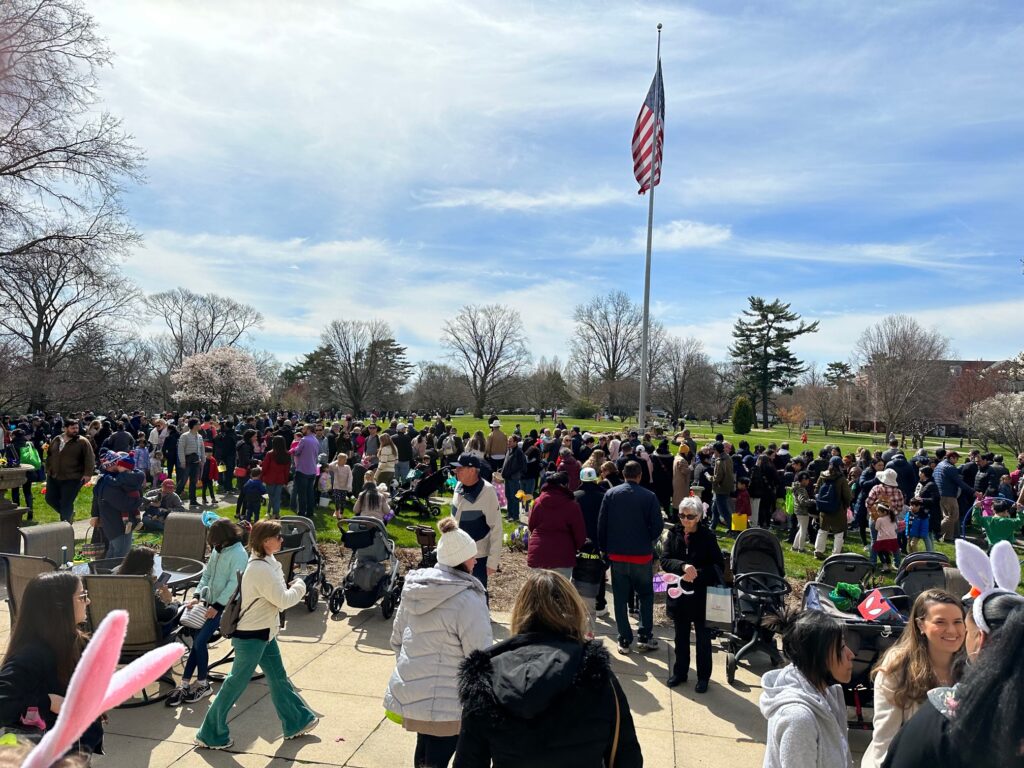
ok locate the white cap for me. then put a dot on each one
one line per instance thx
(588, 475)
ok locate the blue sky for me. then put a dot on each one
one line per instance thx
(399, 159)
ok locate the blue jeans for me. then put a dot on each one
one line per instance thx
(639, 579)
(274, 500)
(304, 494)
(512, 487)
(401, 471)
(292, 711)
(119, 546)
(199, 656)
(720, 510)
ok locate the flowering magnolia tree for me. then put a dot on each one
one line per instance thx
(1000, 418)
(225, 377)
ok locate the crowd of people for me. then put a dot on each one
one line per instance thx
(598, 508)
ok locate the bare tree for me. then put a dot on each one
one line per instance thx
(607, 341)
(58, 293)
(904, 366)
(489, 343)
(820, 398)
(1000, 418)
(687, 369)
(545, 387)
(439, 388)
(199, 322)
(370, 365)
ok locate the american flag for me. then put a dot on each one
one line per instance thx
(643, 144)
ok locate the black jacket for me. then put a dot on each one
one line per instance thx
(589, 498)
(702, 553)
(27, 680)
(540, 701)
(906, 476)
(923, 741)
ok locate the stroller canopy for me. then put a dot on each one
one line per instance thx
(757, 550)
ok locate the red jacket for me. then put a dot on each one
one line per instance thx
(557, 530)
(274, 473)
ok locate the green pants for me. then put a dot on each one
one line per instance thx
(293, 712)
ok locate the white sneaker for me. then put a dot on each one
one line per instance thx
(647, 645)
(602, 613)
(315, 722)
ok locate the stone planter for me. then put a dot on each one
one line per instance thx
(10, 514)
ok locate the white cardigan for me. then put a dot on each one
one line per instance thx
(265, 594)
(887, 721)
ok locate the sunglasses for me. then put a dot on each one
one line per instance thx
(689, 517)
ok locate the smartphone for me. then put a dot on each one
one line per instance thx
(162, 581)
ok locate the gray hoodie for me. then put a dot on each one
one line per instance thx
(441, 619)
(806, 728)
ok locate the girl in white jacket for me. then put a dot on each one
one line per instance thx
(441, 619)
(264, 596)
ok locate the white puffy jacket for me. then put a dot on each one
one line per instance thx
(441, 619)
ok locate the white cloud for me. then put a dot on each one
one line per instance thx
(507, 200)
(676, 235)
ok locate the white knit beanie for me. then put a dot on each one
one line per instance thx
(456, 546)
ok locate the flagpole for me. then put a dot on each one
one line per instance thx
(644, 362)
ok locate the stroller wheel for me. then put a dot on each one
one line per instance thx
(387, 605)
(326, 588)
(312, 598)
(730, 667)
(336, 601)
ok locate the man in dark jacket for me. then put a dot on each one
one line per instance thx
(513, 471)
(69, 464)
(628, 525)
(906, 476)
(950, 484)
(119, 440)
(589, 497)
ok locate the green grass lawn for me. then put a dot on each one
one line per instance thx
(326, 525)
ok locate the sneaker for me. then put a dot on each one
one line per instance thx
(203, 745)
(177, 697)
(623, 648)
(200, 691)
(601, 613)
(820, 555)
(650, 644)
(302, 732)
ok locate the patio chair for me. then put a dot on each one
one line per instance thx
(20, 570)
(184, 536)
(133, 594)
(54, 541)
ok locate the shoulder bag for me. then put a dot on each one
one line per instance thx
(618, 723)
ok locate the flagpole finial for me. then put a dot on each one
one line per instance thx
(659, 25)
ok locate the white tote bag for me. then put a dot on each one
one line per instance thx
(718, 613)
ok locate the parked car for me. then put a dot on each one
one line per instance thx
(460, 411)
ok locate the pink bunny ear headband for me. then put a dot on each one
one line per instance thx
(674, 583)
(992, 574)
(95, 687)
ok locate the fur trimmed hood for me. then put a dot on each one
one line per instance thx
(523, 676)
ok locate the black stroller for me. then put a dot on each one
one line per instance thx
(300, 533)
(417, 496)
(868, 640)
(759, 589)
(373, 569)
(426, 537)
(922, 571)
(847, 567)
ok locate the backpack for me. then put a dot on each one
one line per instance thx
(233, 611)
(827, 498)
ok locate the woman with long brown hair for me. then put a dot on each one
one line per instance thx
(45, 646)
(928, 654)
(555, 685)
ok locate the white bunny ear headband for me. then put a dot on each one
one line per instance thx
(992, 574)
(95, 687)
